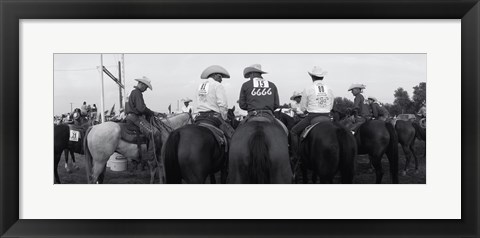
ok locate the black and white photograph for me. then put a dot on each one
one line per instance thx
(230, 118)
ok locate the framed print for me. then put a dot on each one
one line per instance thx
(56, 53)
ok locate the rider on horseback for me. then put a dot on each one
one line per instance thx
(296, 107)
(212, 99)
(259, 96)
(137, 113)
(422, 113)
(318, 100)
(359, 111)
(378, 112)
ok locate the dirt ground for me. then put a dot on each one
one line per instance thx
(363, 175)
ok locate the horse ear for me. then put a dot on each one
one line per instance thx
(233, 108)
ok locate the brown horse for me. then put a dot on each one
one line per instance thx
(259, 154)
(406, 137)
(102, 140)
(328, 148)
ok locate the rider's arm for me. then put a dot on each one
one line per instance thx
(140, 104)
(242, 101)
(303, 101)
(357, 103)
(276, 100)
(222, 101)
(375, 110)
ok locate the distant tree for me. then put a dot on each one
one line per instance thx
(419, 95)
(341, 104)
(393, 110)
(402, 100)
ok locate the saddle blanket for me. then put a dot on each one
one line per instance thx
(217, 133)
(315, 121)
(267, 119)
(132, 134)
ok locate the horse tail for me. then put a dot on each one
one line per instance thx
(259, 169)
(348, 150)
(88, 156)
(392, 152)
(172, 167)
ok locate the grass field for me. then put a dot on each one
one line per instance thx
(362, 173)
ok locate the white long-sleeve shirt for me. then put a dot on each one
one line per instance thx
(317, 98)
(211, 96)
(187, 109)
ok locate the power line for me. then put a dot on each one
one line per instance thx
(86, 69)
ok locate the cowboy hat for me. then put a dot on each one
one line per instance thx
(317, 72)
(145, 81)
(372, 98)
(214, 69)
(187, 100)
(253, 68)
(295, 95)
(356, 85)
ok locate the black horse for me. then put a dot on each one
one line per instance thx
(61, 136)
(192, 153)
(406, 137)
(376, 138)
(327, 149)
(62, 142)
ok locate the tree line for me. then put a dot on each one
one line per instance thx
(402, 103)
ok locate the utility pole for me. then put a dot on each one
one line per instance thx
(102, 95)
(123, 79)
(71, 107)
(120, 88)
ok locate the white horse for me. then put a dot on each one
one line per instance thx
(102, 140)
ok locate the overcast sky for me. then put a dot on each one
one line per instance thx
(175, 76)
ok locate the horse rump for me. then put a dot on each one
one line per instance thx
(88, 156)
(172, 167)
(392, 152)
(259, 166)
(348, 152)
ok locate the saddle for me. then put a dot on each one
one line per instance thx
(217, 133)
(132, 134)
(262, 116)
(315, 121)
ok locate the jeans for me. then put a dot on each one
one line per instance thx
(147, 129)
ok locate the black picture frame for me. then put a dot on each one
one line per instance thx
(12, 11)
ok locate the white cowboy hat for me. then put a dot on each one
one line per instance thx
(356, 85)
(214, 69)
(372, 98)
(295, 94)
(145, 81)
(187, 100)
(253, 68)
(318, 72)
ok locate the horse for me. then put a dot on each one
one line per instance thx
(62, 143)
(102, 140)
(259, 154)
(406, 137)
(376, 138)
(192, 153)
(287, 120)
(61, 135)
(328, 148)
